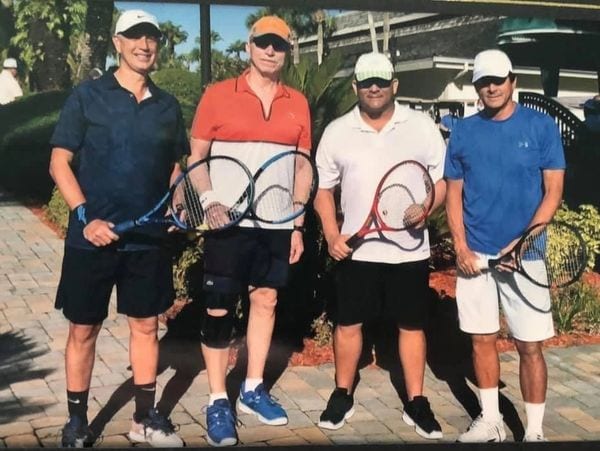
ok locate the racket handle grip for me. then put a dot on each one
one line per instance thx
(353, 241)
(123, 227)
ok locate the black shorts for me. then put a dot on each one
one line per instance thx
(144, 281)
(243, 256)
(368, 291)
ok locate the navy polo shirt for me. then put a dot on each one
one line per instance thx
(124, 154)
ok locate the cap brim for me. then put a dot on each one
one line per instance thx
(140, 28)
(496, 74)
(270, 33)
(386, 76)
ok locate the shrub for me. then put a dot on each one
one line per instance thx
(25, 130)
(184, 85)
(577, 303)
(587, 219)
(57, 211)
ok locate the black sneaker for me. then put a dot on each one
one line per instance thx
(339, 409)
(76, 434)
(417, 413)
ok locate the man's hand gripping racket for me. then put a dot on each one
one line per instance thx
(403, 199)
(200, 201)
(551, 255)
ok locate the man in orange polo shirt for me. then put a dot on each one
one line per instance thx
(252, 118)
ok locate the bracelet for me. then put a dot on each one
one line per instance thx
(80, 212)
(300, 229)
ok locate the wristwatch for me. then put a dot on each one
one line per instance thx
(298, 228)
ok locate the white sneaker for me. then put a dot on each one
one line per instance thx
(156, 430)
(482, 431)
(534, 437)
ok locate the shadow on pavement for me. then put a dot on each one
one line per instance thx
(448, 356)
(17, 352)
(179, 350)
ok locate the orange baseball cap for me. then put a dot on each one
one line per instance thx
(271, 25)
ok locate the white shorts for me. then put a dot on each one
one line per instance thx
(478, 307)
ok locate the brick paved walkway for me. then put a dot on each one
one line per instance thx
(32, 383)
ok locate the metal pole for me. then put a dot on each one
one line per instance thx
(205, 50)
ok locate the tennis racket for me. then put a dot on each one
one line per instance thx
(403, 199)
(201, 199)
(551, 255)
(283, 187)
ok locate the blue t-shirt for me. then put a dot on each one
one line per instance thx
(501, 164)
(124, 154)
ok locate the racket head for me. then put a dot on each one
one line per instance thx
(551, 255)
(404, 196)
(212, 194)
(284, 186)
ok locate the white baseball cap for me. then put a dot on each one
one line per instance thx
(133, 17)
(10, 63)
(491, 63)
(373, 65)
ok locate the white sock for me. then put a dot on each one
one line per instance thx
(535, 417)
(214, 396)
(489, 403)
(251, 383)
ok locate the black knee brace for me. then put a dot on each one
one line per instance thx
(217, 331)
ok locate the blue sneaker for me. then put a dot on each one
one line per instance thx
(262, 404)
(220, 424)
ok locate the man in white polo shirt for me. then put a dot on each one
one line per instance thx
(381, 276)
(9, 86)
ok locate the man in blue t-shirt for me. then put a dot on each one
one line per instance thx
(115, 150)
(504, 169)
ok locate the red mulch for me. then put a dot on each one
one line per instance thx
(40, 213)
(443, 282)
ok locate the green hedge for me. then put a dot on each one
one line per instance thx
(25, 129)
(184, 85)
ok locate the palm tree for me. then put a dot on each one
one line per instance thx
(329, 97)
(172, 35)
(97, 34)
(236, 47)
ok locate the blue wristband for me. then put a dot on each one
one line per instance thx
(80, 212)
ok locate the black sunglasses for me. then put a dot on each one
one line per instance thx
(379, 82)
(278, 44)
(486, 81)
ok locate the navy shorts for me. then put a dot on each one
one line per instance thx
(144, 281)
(241, 256)
(367, 291)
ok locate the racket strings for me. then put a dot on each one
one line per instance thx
(284, 188)
(561, 250)
(393, 203)
(274, 202)
(405, 196)
(216, 213)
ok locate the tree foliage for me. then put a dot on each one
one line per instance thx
(172, 36)
(328, 97)
(7, 26)
(95, 37)
(42, 34)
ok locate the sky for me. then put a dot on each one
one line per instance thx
(228, 20)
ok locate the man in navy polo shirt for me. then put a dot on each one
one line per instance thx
(124, 136)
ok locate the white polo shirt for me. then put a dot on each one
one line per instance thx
(9, 87)
(354, 155)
